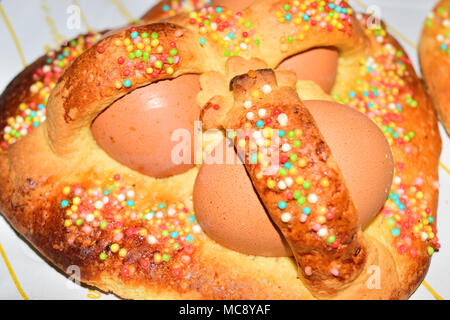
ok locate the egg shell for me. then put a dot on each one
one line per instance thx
(361, 151)
(229, 210)
(137, 129)
(318, 65)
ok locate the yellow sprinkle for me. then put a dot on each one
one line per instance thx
(270, 184)
(122, 253)
(302, 163)
(66, 190)
(255, 93)
(169, 70)
(114, 247)
(324, 182)
(67, 223)
(299, 180)
(76, 200)
(157, 258)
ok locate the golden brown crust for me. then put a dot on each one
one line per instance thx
(434, 53)
(52, 179)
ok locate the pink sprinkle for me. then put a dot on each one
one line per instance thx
(303, 218)
(308, 271)
(419, 181)
(316, 227)
(334, 272)
(118, 236)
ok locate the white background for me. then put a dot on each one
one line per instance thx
(37, 27)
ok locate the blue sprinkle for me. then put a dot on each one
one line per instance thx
(130, 203)
(106, 192)
(219, 10)
(166, 8)
(282, 205)
(134, 35)
(191, 219)
(162, 205)
(35, 124)
(352, 94)
(254, 158)
(127, 83)
(287, 17)
(174, 234)
(288, 165)
(305, 17)
(260, 123)
(189, 238)
(396, 232)
(430, 219)
(281, 133)
(306, 210)
(443, 46)
(231, 35)
(64, 203)
(40, 106)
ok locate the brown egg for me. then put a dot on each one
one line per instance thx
(318, 65)
(361, 151)
(137, 129)
(231, 213)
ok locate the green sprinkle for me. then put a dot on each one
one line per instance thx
(102, 256)
(301, 201)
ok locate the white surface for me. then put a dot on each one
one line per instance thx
(29, 20)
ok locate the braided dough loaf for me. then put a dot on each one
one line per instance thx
(137, 236)
(434, 53)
